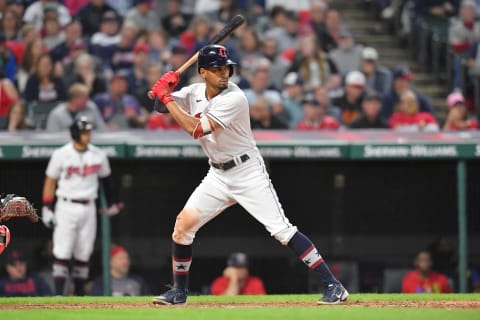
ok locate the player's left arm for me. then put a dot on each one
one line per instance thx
(196, 127)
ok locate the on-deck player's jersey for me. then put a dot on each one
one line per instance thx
(77, 173)
(230, 109)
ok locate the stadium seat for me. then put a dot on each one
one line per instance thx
(37, 113)
(392, 279)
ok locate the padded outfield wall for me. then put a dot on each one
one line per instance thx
(370, 198)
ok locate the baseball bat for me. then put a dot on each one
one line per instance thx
(217, 38)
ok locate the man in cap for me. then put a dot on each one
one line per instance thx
(402, 81)
(378, 78)
(236, 278)
(350, 102)
(18, 283)
(370, 117)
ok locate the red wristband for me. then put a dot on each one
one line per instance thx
(167, 98)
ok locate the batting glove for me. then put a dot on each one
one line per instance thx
(165, 85)
(48, 218)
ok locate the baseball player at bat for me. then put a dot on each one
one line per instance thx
(217, 113)
(73, 175)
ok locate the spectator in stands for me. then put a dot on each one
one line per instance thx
(334, 23)
(457, 117)
(314, 65)
(121, 6)
(175, 21)
(236, 279)
(259, 88)
(33, 51)
(84, 72)
(16, 119)
(138, 82)
(43, 86)
(102, 43)
(423, 279)
(348, 55)
(378, 78)
(278, 64)
(281, 20)
(18, 6)
(292, 96)
(226, 11)
(18, 283)
(77, 105)
(160, 44)
(73, 36)
(119, 109)
(123, 283)
(262, 117)
(34, 13)
(74, 6)
(370, 117)
(8, 64)
(249, 47)
(10, 24)
(350, 103)
(428, 9)
(153, 72)
(8, 95)
(402, 80)
(198, 32)
(409, 118)
(315, 117)
(91, 16)
(122, 56)
(317, 21)
(52, 32)
(142, 16)
(462, 35)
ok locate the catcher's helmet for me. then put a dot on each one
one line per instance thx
(79, 125)
(214, 55)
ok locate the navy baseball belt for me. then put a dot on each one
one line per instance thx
(229, 164)
(80, 201)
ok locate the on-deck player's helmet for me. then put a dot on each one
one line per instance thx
(79, 125)
(214, 55)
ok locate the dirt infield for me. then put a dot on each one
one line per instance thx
(146, 305)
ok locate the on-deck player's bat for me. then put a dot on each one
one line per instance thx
(221, 35)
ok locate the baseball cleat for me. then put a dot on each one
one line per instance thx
(171, 297)
(334, 294)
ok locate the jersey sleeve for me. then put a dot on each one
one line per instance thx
(54, 167)
(105, 170)
(226, 108)
(182, 98)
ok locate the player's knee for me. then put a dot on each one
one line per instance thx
(285, 235)
(185, 227)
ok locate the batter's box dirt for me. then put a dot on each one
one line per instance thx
(140, 305)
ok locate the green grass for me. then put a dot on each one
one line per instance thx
(231, 308)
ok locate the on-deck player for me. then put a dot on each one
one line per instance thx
(72, 175)
(217, 113)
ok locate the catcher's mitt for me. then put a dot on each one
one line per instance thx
(13, 206)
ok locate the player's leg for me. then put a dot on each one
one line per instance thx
(63, 242)
(208, 200)
(256, 194)
(83, 247)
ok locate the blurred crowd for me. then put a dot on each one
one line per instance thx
(300, 66)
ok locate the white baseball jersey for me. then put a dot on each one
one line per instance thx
(77, 173)
(230, 109)
(247, 183)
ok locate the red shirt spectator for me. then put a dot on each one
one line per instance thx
(253, 286)
(434, 282)
(326, 123)
(423, 279)
(457, 117)
(407, 117)
(236, 279)
(315, 117)
(161, 121)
